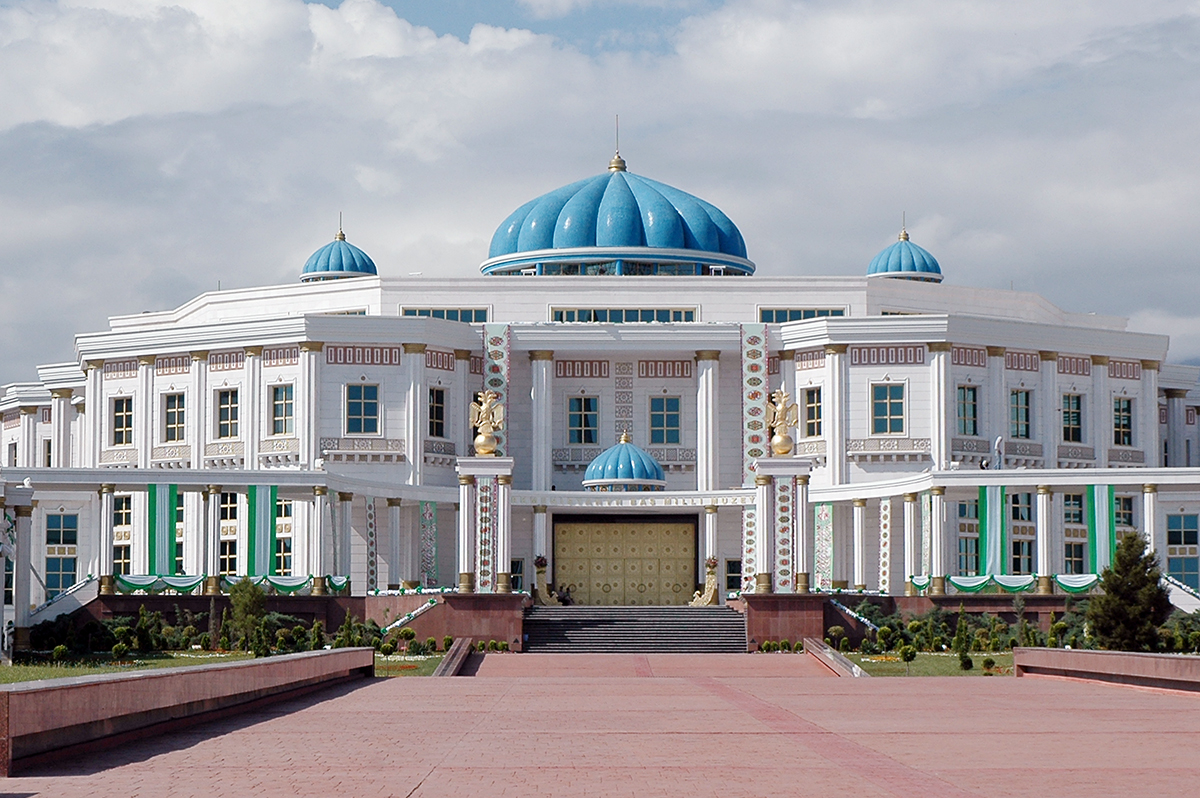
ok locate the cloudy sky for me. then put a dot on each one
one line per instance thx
(151, 149)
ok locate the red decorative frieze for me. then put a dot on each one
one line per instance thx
(910, 355)
(665, 368)
(1075, 365)
(443, 361)
(973, 356)
(12, 419)
(773, 365)
(1022, 361)
(120, 369)
(281, 356)
(476, 364)
(812, 359)
(1125, 369)
(226, 361)
(581, 368)
(363, 355)
(172, 364)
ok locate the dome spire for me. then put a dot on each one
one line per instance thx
(903, 227)
(617, 164)
(340, 235)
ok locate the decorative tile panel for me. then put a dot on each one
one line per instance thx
(172, 364)
(1022, 361)
(340, 355)
(497, 350)
(584, 369)
(372, 546)
(428, 535)
(823, 546)
(912, 355)
(812, 359)
(275, 356)
(120, 369)
(785, 533)
(665, 369)
(1076, 365)
(1125, 369)
(443, 361)
(971, 356)
(885, 546)
(754, 396)
(226, 361)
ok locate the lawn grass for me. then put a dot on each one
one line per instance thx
(926, 664)
(404, 665)
(176, 659)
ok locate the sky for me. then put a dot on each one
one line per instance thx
(151, 150)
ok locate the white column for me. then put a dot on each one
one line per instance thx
(1045, 533)
(941, 403)
(765, 560)
(1176, 429)
(317, 535)
(345, 518)
(196, 407)
(834, 420)
(143, 417)
(787, 375)
(860, 543)
(458, 411)
(541, 423)
(1101, 413)
(937, 523)
(805, 545)
(306, 393)
(1048, 426)
(211, 553)
(466, 533)
(707, 457)
(96, 408)
(61, 412)
(27, 452)
(911, 549)
(997, 396)
(1147, 435)
(105, 544)
(398, 566)
(503, 533)
(1150, 517)
(21, 575)
(710, 531)
(252, 406)
(416, 412)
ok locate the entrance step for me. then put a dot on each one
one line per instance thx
(623, 630)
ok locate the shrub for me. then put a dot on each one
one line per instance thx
(249, 604)
(785, 645)
(504, 645)
(447, 641)
(316, 637)
(867, 647)
(885, 637)
(119, 650)
(1126, 616)
(415, 648)
(492, 646)
(988, 663)
(908, 654)
(430, 645)
(205, 642)
(406, 633)
(387, 649)
(844, 644)
(835, 633)
(965, 662)
(59, 653)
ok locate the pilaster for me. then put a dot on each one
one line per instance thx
(1045, 533)
(860, 544)
(416, 412)
(707, 442)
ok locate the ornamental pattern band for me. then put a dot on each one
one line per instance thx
(496, 370)
(754, 397)
(785, 533)
(749, 547)
(429, 563)
(823, 545)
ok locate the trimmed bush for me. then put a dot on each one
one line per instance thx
(785, 645)
(387, 649)
(447, 641)
(119, 651)
(407, 633)
(988, 663)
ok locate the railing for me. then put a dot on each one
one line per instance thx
(1175, 583)
(832, 659)
(854, 615)
(68, 592)
(409, 616)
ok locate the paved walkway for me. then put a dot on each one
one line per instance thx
(545, 725)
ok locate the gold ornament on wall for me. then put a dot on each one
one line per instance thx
(487, 416)
(782, 415)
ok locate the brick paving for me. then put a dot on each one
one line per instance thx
(534, 725)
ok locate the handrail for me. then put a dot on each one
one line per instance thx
(1175, 583)
(408, 617)
(854, 615)
(452, 663)
(832, 659)
(68, 592)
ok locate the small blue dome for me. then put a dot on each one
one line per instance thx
(905, 260)
(337, 259)
(624, 467)
(613, 218)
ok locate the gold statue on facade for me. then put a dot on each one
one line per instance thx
(487, 416)
(782, 415)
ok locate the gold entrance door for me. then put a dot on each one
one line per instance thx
(626, 563)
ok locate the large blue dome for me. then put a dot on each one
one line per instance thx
(624, 467)
(337, 259)
(617, 223)
(905, 260)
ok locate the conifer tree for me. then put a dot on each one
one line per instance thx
(1134, 604)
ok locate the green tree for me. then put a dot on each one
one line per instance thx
(249, 606)
(1134, 603)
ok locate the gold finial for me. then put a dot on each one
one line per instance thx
(340, 235)
(903, 226)
(625, 437)
(617, 164)
(903, 234)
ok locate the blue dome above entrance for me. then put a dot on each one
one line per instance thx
(624, 467)
(907, 261)
(337, 259)
(617, 223)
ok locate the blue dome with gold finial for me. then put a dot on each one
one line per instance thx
(337, 259)
(907, 261)
(624, 467)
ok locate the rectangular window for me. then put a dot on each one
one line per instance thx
(1022, 507)
(583, 419)
(47, 452)
(469, 315)
(968, 410)
(122, 421)
(1072, 508)
(362, 409)
(173, 416)
(229, 506)
(437, 413)
(228, 558)
(516, 571)
(887, 409)
(179, 557)
(1020, 414)
(812, 412)
(1073, 558)
(1186, 570)
(1022, 556)
(622, 315)
(664, 419)
(282, 410)
(283, 509)
(122, 510)
(780, 315)
(283, 556)
(62, 530)
(733, 575)
(1122, 421)
(8, 582)
(227, 414)
(1072, 418)
(12, 455)
(1123, 510)
(60, 575)
(122, 560)
(968, 538)
(1182, 530)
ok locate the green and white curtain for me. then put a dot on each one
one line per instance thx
(161, 526)
(260, 531)
(993, 529)
(1102, 526)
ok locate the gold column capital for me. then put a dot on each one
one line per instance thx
(462, 354)
(252, 351)
(708, 354)
(27, 411)
(541, 354)
(1175, 393)
(107, 489)
(24, 510)
(1045, 490)
(414, 349)
(761, 479)
(146, 360)
(937, 490)
(199, 354)
(1149, 488)
(710, 509)
(311, 346)
(995, 351)
(1045, 355)
(1150, 365)
(802, 479)
(836, 349)
(345, 496)
(62, 393)
(787, 354)
(213, 490)
(94, 364)
(320, 490)
(1099, 360)
(539, 509)
(466, 479)
(504, 479)
(859, 502)
(393, 502)
(939, 346)
(910, 497)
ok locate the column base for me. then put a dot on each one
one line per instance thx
(393, 586)
(937, 586)
(212, 585)
(1045, 586)
(910, 589)
(466, 582)
(840, 584)
(762, 583)
(107, 586)
(410, 584)
(318, 586)
(802, 583)
(860, 588)
(21, 638)
(503, 582)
